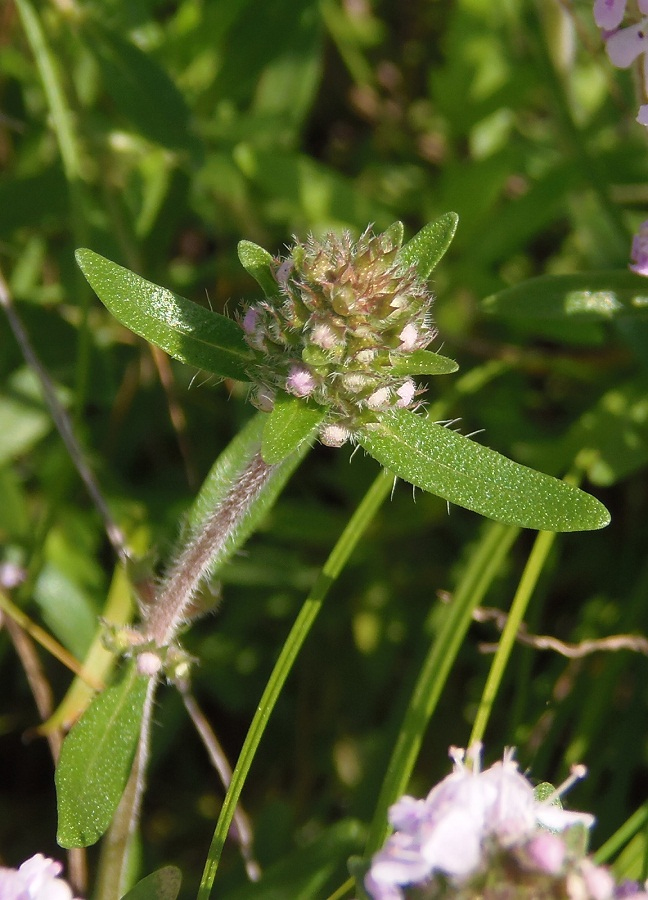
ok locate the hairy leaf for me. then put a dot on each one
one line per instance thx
(185, 330)
(427, 248)
(423, 362)
(466, 473)
(291, 422)
(96, 759)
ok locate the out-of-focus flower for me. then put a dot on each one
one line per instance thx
(478, 825)
(640, 250)
(36, 879)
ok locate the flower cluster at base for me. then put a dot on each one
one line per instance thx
(345, 314)
(36, 879)
(485, 834)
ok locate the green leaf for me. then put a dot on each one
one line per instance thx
(141, 89)
(258, 263)
(291, 422)
(466, 473)
(427, 248)
(593, 295)
(161, 885)
(423, 362)
(396, 233)
(185, 330)
(96, 760)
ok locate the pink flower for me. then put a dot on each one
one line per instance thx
(640, 250)
(545, 852)
(36, 879)
(608, 14)
(300, 381)
(406, 393)
(642, 116)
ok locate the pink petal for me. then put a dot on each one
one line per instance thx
(642, 116)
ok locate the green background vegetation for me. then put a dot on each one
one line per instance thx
(160, 134)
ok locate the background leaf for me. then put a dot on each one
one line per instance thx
(594, 295)
(96, 759)
(141, 89)
(161, 885)
(466, 473)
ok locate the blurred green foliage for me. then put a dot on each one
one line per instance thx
(160, 134)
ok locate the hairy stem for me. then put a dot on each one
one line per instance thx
(203, 551)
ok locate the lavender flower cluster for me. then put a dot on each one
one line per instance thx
(485, 834)
(347, 312)
(36, 879)
(624, 47)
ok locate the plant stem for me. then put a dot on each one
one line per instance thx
(203, 551)
(482, 569)
(532, 570)
(345, 545)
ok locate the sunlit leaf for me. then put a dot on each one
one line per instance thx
(183, 329)
(464, 472)
(594, 295)
(96, 759)
(291, 422)
(427, 248)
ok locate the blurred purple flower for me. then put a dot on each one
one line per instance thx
(36, 879)
(640, 250)
(453, 831)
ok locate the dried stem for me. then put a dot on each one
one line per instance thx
(63, 424)
(168, 610)
(635, 642)
(241, 823)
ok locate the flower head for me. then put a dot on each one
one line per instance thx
(475, 823)
(345, 313)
